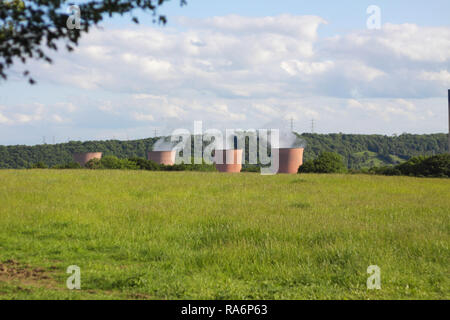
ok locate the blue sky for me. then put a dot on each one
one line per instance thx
(343, 15)
(242, 64)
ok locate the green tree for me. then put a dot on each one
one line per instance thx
(39, 165)
(353, 148)
(326, 162)
(70, 165)
(307, 166)
(144, 164)
(93, 164)
(434, 166)
(111, 162)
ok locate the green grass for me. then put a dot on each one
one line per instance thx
(177, 235)
(374, 160)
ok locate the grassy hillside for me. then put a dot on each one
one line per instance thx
(157, 235)
(358, 151)
(364, 151)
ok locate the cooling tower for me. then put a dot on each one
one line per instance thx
(83, 158)
(162, 157)
(290, 160)
(233, 165)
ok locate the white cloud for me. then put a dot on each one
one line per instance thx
(235, 56)
(442, 77)
(148, 96)
(404, 41)
(4, 119)
(142, 117)
(389, 109)
(66, 106)
(417, 43)
(265, 109)
(359, 71)
(24, 118)
(57, 118)
(31, 114)
(294, 67)
(245, 71)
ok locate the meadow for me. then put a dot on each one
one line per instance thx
(193, 235)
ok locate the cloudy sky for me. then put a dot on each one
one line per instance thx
(242, 64)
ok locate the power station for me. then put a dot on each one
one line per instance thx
(230, 160)
(84, 157)
(166, 158)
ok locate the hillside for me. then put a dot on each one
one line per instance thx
(359, 151)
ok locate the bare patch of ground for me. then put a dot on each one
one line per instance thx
(12, 271)
(25, 278)
(139, 296)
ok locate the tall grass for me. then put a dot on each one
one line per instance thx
(173, 235)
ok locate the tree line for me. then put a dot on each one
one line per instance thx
(357, 151)
(437, 166)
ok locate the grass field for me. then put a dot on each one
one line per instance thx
(174, 235)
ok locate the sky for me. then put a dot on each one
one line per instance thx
(241, 65)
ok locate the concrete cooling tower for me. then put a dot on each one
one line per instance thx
(162, 157)
(84, 157)
(290, 160)
(234, 165)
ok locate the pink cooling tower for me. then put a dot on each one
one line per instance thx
(162, 157)
(234, 163)
(83, 158)
(290, 160)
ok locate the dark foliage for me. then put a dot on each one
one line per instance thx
(365, 151)
(39, 165)
(70, 165)
(93, 164)
(250, 168)
(144, 164)
(136, 163)
(358, 151)
(56, 154)
(434, 166)
(326, 162)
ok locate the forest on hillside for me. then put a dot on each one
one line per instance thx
(358, 151)
(365, 151)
